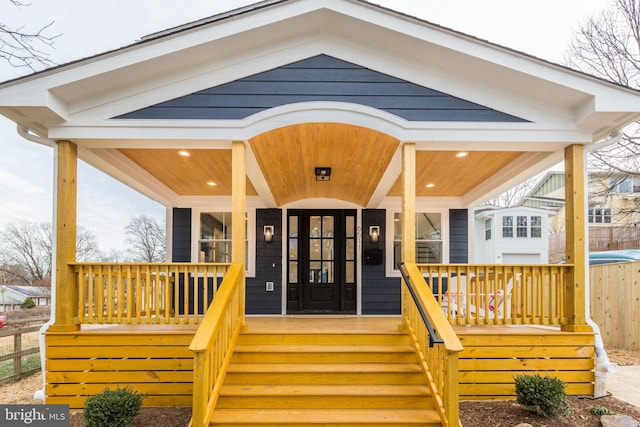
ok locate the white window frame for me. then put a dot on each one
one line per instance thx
(392, 270)
(488, 231)
(250, 268)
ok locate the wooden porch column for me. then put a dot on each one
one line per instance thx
(575, 226)
(238, 207)
(65, 229)
(409, 202)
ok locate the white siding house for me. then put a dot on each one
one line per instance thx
(517, 235)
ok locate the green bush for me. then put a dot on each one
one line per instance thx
(113, 408)
(28, 303)
(600, 411)
(545, 396)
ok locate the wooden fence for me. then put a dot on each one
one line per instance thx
(14, 348)
(600, 239)
(615, 303)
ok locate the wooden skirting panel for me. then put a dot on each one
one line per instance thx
(153, 361)
(493, 356)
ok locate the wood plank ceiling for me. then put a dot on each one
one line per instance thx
(287, 157)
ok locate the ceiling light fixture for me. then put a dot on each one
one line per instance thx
(323, 174)
(430, 185)
(184, 153)
(211, 184)
(462, 154)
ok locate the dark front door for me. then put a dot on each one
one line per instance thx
(321, 261)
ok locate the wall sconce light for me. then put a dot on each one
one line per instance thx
(268, 233)
(323, 174)
(374, 233)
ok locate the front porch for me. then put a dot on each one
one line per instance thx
(142, 325)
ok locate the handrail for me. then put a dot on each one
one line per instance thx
(439, 362)
(433, 338)
(145, 293)
(213, 344)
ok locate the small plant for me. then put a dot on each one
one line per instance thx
(600, 411)
(27, 304)
(113, 408)
(545, 396)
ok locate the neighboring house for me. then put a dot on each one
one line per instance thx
(516, 235)
(613, 211)
(303, 148)
(12, 296)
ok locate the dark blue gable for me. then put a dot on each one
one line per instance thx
(321, 78)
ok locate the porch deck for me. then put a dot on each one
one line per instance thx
(156, 361)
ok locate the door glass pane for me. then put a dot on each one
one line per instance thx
(350, 249)
(351, 227)
(293, 226)
(293, 272)
(314, 249)
(314, 226)
(315, 272)
(327, 226)
(293, 248)
(327, 249)
(350, 273)
(327, 272)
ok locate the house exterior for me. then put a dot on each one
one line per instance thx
(612, 213)
(516, 235)
(303, 149)
(12, 296)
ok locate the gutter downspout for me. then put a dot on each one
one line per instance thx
(24, 132)
(603, 365)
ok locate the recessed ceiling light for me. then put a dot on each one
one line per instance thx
(462, 154)
(211, 184)
(184, 153)
(430, 185)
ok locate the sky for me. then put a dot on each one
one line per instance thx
(542, 28)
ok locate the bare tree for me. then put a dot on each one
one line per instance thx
(28, 247)
(147, 239)
(512, 196)
(23, 47)
(608, 46)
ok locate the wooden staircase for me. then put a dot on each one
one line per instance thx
(324, 371)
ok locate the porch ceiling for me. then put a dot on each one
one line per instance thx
(359, 159)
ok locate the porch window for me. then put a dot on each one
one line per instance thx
(536, 226)
(487, 229)
(521, 226)
(599, 215)
(428, 238)
(215, 237)
(507, 226)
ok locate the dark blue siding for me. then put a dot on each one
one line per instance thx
(459, 236)
(181, 251)
(380, 294)
(268, 266)
(321, 78)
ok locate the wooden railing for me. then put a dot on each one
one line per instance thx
(499, 294)
(139, 293)
(421, 312)
(214, 342)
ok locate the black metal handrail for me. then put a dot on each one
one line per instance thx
(433, 338)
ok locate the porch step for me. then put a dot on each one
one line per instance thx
(325, 378)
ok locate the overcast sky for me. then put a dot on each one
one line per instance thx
(542, 28)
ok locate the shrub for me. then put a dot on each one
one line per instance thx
(600, 411)
(545, 396)
(28, 303)
(113, 408)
